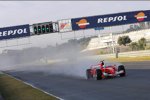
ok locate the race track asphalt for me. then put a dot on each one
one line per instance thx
(135, 86)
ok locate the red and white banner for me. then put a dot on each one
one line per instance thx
(65, 25)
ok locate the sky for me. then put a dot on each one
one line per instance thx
(30, 12)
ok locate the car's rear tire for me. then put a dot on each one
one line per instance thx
(99, 74)
(122, 68)
(88, 73)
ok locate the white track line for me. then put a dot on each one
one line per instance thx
(35, 87)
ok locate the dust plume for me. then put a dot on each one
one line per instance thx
(65, 59)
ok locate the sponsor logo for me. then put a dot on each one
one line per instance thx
(140, 16)
(13, 32)
(111, 19)
(64, 25)
(82, 23)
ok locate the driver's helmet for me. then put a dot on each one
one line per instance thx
(102, 63)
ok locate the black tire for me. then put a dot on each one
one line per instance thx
(88, 73)
(120, 68)
(99, 74)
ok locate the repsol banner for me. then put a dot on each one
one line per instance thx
(110, 20)
(14, 32)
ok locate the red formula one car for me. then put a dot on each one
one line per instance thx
(101, 71)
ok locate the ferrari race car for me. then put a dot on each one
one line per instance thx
(101, 71)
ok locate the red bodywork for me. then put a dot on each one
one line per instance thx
(105, 69)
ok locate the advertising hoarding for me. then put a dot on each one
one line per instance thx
(65, 25)
(14, 32)
(110, 20)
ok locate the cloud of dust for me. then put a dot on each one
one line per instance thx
(64, 60)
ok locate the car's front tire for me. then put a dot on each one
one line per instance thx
(99, 74)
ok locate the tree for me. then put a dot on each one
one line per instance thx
(134, 46)
(124, 40)
(120, 41)
(142, 43)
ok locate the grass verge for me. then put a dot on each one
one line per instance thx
(130, 59)
(12, 89)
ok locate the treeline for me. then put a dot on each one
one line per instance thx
(141, 44)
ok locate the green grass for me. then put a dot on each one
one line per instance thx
(12, 89)
(130, 59)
